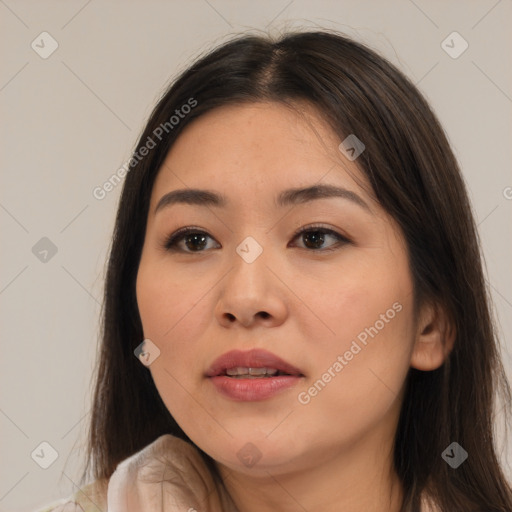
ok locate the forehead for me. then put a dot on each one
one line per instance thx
(256, 149)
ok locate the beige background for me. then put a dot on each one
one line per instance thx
(69, 121)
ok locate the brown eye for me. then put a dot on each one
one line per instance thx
(195, 241)
(320, 239)
(188, 240)
(313, 239)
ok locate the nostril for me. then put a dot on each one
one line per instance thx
(232, 318)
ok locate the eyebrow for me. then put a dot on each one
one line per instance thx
(208, 198)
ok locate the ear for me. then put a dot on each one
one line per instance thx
(434, 338)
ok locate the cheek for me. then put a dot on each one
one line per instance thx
(170, 304)
(358, 387)
(361, 362)
(175, 314)
(174, 317)
(368, 297)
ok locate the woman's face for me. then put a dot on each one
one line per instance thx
(334, 303)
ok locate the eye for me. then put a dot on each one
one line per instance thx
(194, 240)
(315, 237)
(188, 239)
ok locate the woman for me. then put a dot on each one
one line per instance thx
(295, 310)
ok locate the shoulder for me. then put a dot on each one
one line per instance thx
(90, 498)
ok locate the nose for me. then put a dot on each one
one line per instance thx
(251, 295)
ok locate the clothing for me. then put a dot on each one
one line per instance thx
(136, 485)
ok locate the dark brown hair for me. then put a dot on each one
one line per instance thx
(415, 177)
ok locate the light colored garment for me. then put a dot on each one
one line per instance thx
(91, 498)
(167, 475)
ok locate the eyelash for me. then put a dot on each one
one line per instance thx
(170, 243)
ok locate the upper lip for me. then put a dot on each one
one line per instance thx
(255, 358)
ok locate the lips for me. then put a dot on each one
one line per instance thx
(250, 376)
(236, 362)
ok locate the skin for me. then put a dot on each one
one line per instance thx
(304, 305)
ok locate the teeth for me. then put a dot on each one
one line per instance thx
(250, 372)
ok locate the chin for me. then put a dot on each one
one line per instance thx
(256, 454)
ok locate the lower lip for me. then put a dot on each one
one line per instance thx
(253, 389)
